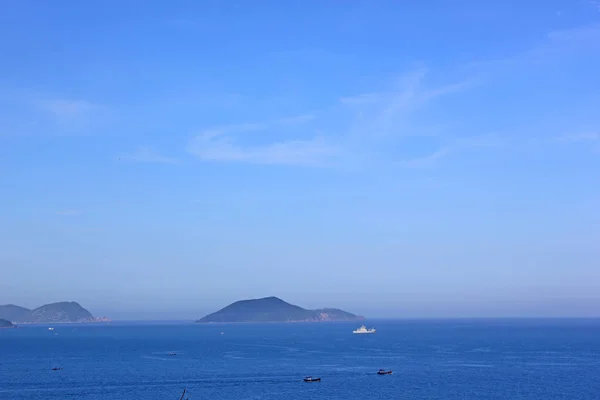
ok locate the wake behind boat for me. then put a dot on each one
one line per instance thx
(363, 329)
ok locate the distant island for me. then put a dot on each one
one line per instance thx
(6, 324)
(62, 312)
(273, 309)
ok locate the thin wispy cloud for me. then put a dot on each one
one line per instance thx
(402, 93)
(456, 87)
(555, 45)
(378, 123)
(29, 112)
(385, 113)
(297, 119)
(454, 145)
(587, 34)
(68, 109)
(234, 129)
(426, 161)
(375, 119)
(71, 212)
(67, 114)
(221, 144)
(148, 155)
(293, 152)
(485, 140)
(383, 121)
(580, 137)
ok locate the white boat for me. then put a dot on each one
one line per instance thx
(363, 329)
(50, 329)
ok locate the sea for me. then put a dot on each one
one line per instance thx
(430, 359)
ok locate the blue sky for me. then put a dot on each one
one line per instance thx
(414, 158)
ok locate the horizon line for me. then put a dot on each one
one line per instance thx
(488, 318)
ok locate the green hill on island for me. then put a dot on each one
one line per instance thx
(5, 324)
(273, 309)
(61, 312)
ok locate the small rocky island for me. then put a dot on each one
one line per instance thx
(273, 309)
(6, 324)
(62, 312)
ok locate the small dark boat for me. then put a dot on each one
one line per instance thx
(384, 372)
(172, 353)
(183, 394)
(57, 369)
(311, 379)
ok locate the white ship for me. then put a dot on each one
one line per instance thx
(363, 329)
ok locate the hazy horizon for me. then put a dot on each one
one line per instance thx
(404, 159)
(545, 309)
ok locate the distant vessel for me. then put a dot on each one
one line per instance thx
(384, 372)
(311, 379)
(363, 329)
(50, 329)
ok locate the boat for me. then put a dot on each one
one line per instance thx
(384, 372)
(172, 353)
(57, 369)
(50, 329)
(311, 379)
(363, 329)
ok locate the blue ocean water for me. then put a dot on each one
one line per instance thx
(455, 359)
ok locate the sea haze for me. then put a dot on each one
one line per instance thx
(430, 359)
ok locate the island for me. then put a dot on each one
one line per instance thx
(273, 309)
(13, 313)
(62, 312)
(6, 324)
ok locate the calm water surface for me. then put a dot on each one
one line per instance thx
(485, 359)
